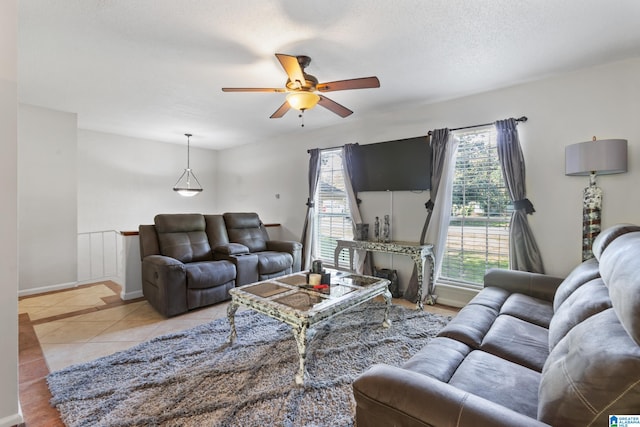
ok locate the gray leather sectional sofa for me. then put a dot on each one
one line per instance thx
(528, 350)
(192, 260)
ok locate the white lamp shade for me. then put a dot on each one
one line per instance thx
(605, 156)
(185, 192)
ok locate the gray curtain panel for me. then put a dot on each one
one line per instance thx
(307, 234)
(364, 259)
(439, 138)
(523, 250)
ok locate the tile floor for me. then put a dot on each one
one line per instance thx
(62, 328)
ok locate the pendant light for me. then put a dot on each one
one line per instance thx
(188, 185)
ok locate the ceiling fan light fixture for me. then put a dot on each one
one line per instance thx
(303, 100)
(303, 90)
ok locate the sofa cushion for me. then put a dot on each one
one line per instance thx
(186, 247)
(495, 379)
(530, 309)
(206, 296)
(232, 249)
(216, 230)
(183, 237)
(439, 359)
(604, 239)
(518, 341)
(620, 267)
(247, 229)
(209, 274)
(580, 275)
(179, 223)
(470, 325)
(587, 300)
(492, 297)
(273, 262)
(594, 371)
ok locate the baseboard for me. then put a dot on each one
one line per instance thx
(49, 288)
(454, 296)
(69, 285)
(12, 420)
(130, 295)
(115, 279)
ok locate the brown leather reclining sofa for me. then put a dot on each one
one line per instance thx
(528, 350)
(192, 260)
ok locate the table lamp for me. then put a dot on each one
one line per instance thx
(595, 157)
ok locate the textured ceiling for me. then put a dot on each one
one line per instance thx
(154, 68)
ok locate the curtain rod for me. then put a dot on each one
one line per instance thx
(331, 148)
(521, 119)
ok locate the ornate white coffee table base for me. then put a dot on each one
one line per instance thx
(286, 300)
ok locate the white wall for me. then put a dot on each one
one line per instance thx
(9, 404)
(562, 110)
(47, 196)
(124, 182)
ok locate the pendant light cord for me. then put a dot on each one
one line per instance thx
(188, 135)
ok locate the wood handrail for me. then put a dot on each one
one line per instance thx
(135, 233)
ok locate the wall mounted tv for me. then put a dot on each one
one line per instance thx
(400, 165)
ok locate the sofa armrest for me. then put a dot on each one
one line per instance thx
(290, 246)
(232, 249)
(535, 285)
(246, 264)
(164, 284)
(163, 261)
(386, 395)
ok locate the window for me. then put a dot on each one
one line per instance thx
(333, 219)
(478, 234)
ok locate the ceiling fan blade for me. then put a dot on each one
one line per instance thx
(361, 83)
(333, 106)
(292, 67)
(281, 111)
(253, 89)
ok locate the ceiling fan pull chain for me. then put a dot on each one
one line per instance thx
(301, 115)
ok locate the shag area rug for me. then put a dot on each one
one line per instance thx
(194, 378)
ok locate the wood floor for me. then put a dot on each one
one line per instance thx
(62, 328)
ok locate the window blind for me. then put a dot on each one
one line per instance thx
(478, 233)
(333, 219)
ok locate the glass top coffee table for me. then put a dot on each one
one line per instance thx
(290, 300)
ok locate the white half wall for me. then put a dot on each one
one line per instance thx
(10, 413)
(47, 196)
(603, 101)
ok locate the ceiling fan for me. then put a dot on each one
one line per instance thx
(303, 88)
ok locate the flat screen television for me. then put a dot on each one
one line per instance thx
(400, 165)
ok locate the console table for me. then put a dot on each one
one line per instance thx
(417, 252)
